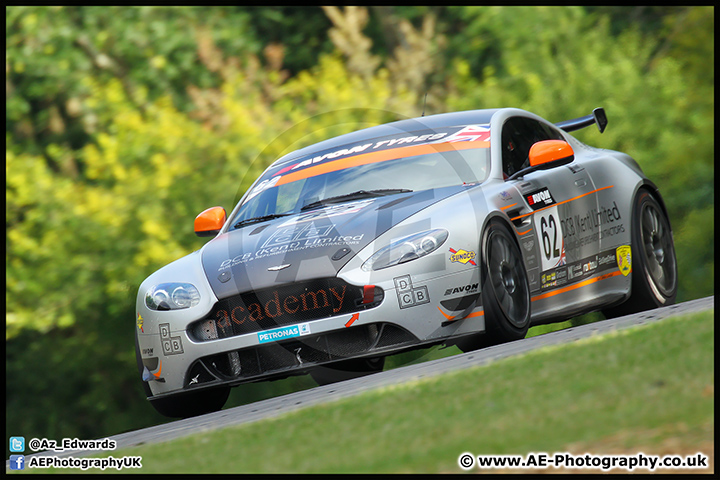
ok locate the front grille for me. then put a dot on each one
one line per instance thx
(281, 306)
(296, 354)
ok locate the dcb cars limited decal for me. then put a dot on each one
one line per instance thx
(293, 239)
(554, 234)
(596, 224)
(408, 294)
(170, 345)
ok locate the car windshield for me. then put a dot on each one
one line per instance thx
(308, 185)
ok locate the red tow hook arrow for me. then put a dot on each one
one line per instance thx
(352, 319)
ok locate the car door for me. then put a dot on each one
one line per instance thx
(553, 202)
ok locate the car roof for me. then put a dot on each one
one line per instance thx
(469, 117)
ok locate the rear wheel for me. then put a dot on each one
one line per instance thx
(505, 290)
(347, 370)
(654, 266)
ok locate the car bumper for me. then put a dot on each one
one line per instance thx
(412, 313)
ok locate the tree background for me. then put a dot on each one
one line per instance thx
(123, 123)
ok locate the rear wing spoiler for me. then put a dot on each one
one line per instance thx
(597, 117)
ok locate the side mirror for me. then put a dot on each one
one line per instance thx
(546, 152)
(210, 221)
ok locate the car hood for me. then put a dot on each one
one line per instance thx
(313, 244)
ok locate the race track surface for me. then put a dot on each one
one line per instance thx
(279, 405)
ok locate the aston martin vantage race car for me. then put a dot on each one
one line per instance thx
(461, 229)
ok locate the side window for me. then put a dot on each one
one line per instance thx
(518, 135)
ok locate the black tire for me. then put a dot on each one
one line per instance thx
(191, 404)
(654, 265)
(505, 290)
(186, 404)
(347, 370)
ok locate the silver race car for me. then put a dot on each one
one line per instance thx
(463, 228)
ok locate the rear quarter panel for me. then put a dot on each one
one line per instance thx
(617, 178)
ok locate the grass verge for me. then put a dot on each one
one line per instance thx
(645, 389)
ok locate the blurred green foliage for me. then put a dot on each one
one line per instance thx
(123, 123)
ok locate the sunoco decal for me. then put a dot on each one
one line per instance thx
(539, 199)
(283, 333)
(462, 256)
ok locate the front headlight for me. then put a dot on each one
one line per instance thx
(172, 296)
(406, 249)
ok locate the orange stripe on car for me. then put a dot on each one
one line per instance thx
(584, 283)
(375, 157)
(564, 201)
(552, 293)
(157, 375)
(472, 315)
(447, 317)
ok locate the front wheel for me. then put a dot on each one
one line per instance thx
(347, 370)
(505, 290)
(184, 405)
(654, 266)
(191, 404)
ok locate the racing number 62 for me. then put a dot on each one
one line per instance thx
(548, 227)
(547, 249)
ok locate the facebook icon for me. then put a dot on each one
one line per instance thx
(17, 462)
